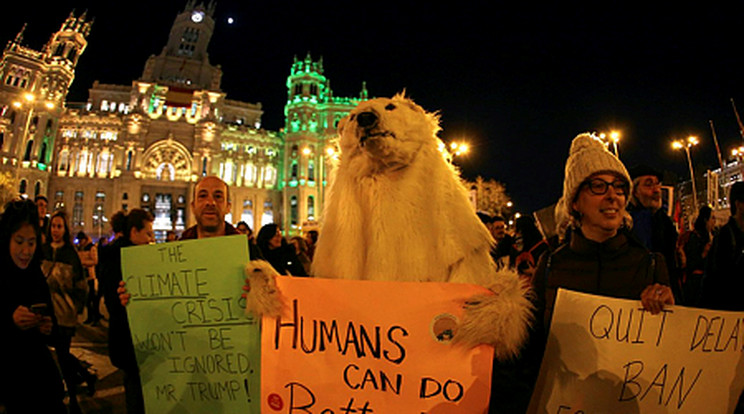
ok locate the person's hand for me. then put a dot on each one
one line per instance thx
(655, 296)
(24, 319)
(124, 296)
(45, 326)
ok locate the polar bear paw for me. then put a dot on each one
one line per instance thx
(501, 319)
(263, 297)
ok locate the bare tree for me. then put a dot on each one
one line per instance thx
(489, 196)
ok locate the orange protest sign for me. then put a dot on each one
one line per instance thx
(371, 347)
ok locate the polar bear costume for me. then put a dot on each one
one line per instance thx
(396, 211)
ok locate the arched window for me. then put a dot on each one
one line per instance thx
(37, 188)
(269, 176)
(293, 211)
(42, 153)
(22, 187)
(129, 160)
(29, 150)
(247, 215)
(250, 173)
(293, 174)
(268, 213)
(311, 170)
(165, 171)
(64, 160)
(311, 208)
(82, 166)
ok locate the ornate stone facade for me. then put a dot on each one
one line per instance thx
(146, 144)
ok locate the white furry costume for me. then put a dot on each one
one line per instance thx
(396, 211)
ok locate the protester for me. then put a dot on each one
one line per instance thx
(695, 250)
(29, 378)
(42, 205)
(243, 228)
(210, 204)
(503, 251)
(171, 236)
(277, 252)
(651, 225)
(724, 279)
(69, 288)
(138, 231)
(530, 244)
(88, 253)
(601, 257)
(300, 248)
(311, 239)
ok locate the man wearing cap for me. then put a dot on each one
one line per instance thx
(651, 225)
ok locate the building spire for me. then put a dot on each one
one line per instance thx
(19, 37)
(364, 94)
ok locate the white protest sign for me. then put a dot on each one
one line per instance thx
(607, 355)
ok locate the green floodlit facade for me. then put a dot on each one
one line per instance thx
(146, 144)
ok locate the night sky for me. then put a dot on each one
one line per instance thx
(518, 81)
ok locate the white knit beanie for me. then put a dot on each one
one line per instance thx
(587, 156)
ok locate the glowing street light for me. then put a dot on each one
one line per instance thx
(680, 144)
(614, 138)
(459, 148)
(738, 153)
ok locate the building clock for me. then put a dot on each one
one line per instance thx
(197, 16)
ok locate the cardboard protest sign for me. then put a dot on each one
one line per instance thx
(371, 347)
(197, 351)
(607, 355)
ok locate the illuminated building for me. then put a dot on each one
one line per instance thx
(33, 87)
(146, 144)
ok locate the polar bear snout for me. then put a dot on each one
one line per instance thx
(367, 120)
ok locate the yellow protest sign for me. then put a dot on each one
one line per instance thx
(197, 351)
(607, 355)
(371, 347)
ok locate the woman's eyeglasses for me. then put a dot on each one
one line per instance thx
(598, 186)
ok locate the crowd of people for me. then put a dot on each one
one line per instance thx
(53, 280)
(614, 240)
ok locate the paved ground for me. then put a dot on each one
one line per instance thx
(90, 346)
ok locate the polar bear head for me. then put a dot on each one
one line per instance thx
(386, 134)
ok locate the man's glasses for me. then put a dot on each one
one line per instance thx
(598, 186)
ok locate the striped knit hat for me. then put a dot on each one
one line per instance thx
(588, 156)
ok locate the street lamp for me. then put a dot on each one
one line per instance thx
(614, 138)
(738, 153)
(459, 148)
(680, 144)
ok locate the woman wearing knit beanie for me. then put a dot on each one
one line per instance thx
(601, 256)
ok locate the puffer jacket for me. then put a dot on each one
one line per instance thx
(620, 267)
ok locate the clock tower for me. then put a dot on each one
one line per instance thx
(184, 60)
